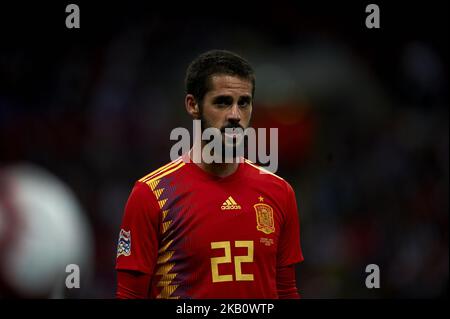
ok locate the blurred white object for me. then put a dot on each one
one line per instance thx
(42, 229)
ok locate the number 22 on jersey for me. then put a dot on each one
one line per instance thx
(237, 261)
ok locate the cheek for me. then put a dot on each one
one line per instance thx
(211, 118)
(247, 115)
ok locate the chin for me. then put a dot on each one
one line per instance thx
(231, 148)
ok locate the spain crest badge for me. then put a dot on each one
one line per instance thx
(264, 218)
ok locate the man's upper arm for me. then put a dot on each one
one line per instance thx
(289, 248)
(138, 239)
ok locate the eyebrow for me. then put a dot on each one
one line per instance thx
(222, 99)
(228, 99)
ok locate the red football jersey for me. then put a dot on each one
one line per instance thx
(202, 236)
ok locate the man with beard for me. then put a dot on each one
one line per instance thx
(211, 230)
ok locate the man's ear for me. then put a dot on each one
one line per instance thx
(192, 106)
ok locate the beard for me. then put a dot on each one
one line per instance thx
(233, 139)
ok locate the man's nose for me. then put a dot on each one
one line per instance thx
(234, 114)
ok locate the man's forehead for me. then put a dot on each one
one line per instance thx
(222, 83)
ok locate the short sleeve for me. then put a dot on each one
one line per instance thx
(137, 246)
(289, 248)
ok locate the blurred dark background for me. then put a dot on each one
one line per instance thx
(362, 117)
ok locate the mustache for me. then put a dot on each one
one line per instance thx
(231, 126)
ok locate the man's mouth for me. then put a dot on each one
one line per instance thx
(232, 132)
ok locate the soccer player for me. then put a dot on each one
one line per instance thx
(219, 230)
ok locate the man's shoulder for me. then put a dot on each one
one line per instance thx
(263, 175)
(163, 171)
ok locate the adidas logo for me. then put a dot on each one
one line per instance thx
(230, 203)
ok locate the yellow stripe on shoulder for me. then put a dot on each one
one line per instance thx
(167, 172)
(161, 169)
(262, 169)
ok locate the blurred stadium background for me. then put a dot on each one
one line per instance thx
(362, 117)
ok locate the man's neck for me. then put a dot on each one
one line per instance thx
(217, 169)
